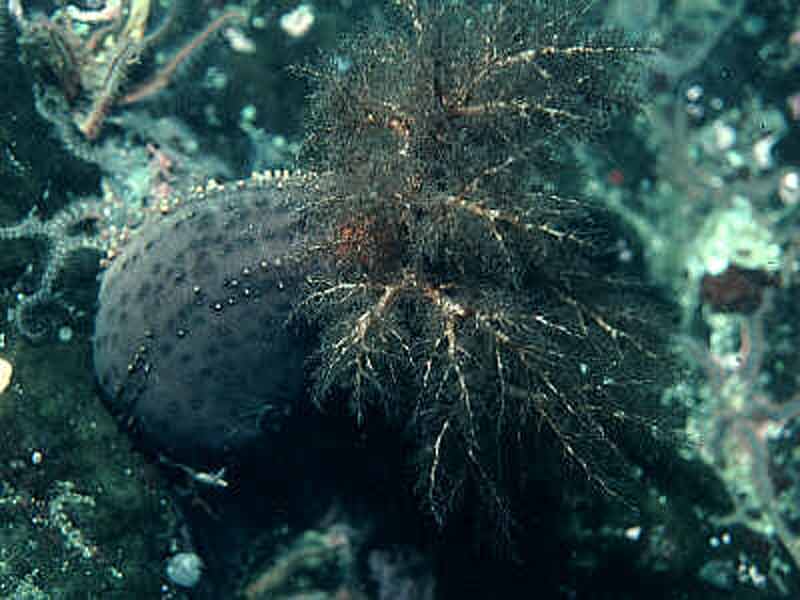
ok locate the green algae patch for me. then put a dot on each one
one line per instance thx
(81, 514)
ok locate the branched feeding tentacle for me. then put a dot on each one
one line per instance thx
(448, 265)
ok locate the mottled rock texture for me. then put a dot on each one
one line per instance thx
(192, 343)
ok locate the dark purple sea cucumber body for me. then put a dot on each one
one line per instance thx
(192, 346)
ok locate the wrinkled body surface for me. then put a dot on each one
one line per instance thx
(192, 345)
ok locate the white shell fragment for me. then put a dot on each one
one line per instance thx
(297, 22)
(185, 569)
(6, 370)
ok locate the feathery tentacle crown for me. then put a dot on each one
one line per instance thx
(461, 295)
